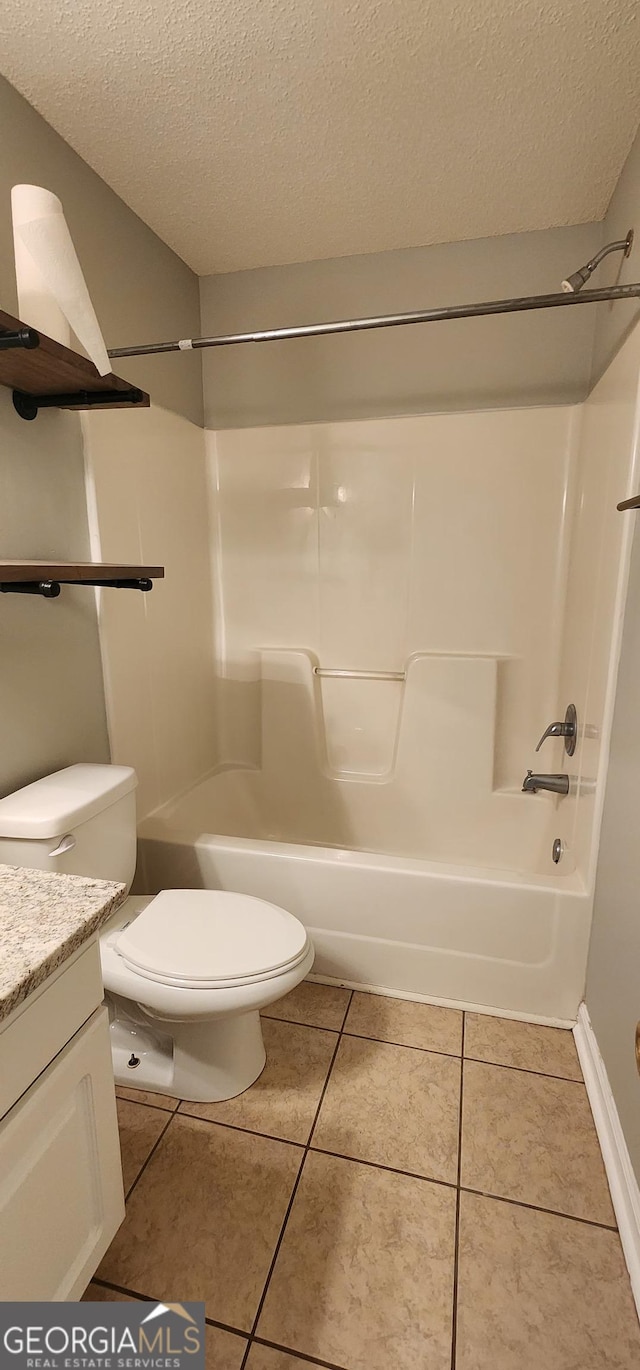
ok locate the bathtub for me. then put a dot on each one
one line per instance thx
(472, 936)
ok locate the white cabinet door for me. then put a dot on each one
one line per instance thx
(61, 1198)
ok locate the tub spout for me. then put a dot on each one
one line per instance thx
(556, 784)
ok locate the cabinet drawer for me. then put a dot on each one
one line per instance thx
(39, 1028)
(61, 1197)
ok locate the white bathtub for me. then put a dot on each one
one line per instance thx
(471, 936)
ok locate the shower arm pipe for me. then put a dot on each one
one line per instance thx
(622, 245)
(457, 311)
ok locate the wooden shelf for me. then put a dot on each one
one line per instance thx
(52, 376)
(73, 572)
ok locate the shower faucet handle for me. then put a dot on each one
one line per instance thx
(554, 730)
(568, 729)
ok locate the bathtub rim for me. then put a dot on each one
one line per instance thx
(569, 884)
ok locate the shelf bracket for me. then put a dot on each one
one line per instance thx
(50, 589)
(27, 406)
(139, 583)
(22, 337)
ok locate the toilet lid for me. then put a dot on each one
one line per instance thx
(211, 937)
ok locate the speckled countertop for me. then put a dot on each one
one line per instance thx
(44, 918)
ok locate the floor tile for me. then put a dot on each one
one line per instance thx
(394, 1106)
(316, 1005)
(96, 1293)
(364, 1276)
(145, 1096)
(284, 1101)
(530, 1138)
(139, 1129)
(505, 1042)
(204, 1219)
(224, 1350)
(539, 1292)
(406, 1023)
(266, 1358)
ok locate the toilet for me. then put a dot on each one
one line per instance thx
(186, 972)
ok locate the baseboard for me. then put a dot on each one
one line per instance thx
(625, 1193)
(462, 1005)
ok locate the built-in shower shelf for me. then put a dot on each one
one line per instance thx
(45, 375)
(46, 577)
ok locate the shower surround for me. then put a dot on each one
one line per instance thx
(468, 572)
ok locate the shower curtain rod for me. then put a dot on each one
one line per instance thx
(455, 311)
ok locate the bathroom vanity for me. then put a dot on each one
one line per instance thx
(61, 1193)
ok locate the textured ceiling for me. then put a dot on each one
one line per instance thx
(254, 132)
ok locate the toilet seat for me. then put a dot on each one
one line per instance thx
(211, 939)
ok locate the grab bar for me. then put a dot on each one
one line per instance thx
(360, 675)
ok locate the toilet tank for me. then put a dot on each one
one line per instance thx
(79, 821)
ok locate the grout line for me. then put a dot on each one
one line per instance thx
(299, 1355)
(455, 1056)
(276, 1253)
(523, 1070)
(144, 1103)
(429, 1051)
(223, 1326)
(406, 1046)
(537, 1208)
(236, 1127)
(326, 1083)
(378, 1165)
(151, 1298)
(121, 1289)
(456, 1240)
(296, 1022)
(292, 1199)
(151, 1153)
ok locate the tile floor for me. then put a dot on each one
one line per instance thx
(405, 1188)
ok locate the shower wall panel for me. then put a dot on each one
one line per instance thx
(374, 547)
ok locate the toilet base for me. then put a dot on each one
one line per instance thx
(202, 1061)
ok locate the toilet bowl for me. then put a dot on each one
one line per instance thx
(186, 972)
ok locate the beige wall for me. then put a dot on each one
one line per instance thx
(533, 358)
(51, 688)
(51, 694)
(613, 982)
(141, 290)
(147, 470)
(615, 321)
(613, 978)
